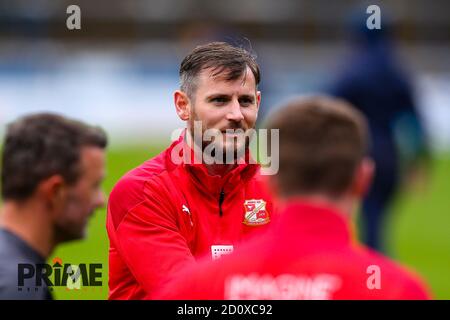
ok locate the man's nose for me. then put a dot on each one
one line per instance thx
(234, 112)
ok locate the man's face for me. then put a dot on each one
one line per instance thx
(225, 104)
(84, 196)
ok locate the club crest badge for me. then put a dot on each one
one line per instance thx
(255, 213)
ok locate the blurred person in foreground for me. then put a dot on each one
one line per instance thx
(179, 205)
(51, 174)
(374, 82)
(309, 253)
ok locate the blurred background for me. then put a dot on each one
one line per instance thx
(120, 69)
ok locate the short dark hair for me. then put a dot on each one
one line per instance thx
(322, 141)
(221, 57)
(41, 145)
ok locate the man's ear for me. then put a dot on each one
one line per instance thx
(258, 99)
(182, 104)
(363, 178)
(53, 192)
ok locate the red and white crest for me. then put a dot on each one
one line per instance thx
(255, 212)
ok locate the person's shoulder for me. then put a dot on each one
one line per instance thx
(11, 251)
(129, 190)
(8, 263)
(135, 179)
(138, 175)
(11, 256)
(8, 275)
(404, 282)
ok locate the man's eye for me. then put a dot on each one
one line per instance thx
(219, 100)
(246, 102)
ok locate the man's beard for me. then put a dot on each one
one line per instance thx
(223, 148)
(73, 225)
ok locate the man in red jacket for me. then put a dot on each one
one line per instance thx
(309, 253)
(173, 208)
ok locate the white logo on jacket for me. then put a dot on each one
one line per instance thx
(184, 208)
(219, 250)
(281, 287)
(256, 213)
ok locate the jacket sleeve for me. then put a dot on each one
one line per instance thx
(150, 241)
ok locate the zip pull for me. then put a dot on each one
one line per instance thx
(221, 198)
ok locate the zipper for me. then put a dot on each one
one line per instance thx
(221, 198)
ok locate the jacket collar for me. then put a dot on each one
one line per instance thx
(212, 184)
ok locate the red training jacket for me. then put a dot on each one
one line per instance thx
(162, 215)
(307, 255)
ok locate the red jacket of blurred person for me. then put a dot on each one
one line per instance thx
(162, 215)
(308, 254)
